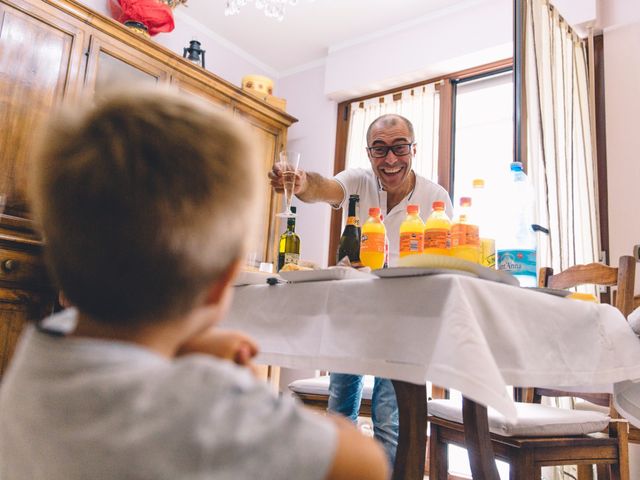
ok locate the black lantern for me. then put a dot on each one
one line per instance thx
(194, 53)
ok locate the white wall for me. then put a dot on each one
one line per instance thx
(452, 40)
(314, 136)
(621, 25)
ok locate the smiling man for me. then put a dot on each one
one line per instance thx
(390, 184)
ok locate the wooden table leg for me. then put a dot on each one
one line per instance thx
(478, 441)
(412, 407)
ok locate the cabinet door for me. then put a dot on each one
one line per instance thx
(40, 63)
(200, 90)
(272, 138)
(111, 63)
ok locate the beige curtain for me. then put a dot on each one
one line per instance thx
(420, 105)
(561, 159)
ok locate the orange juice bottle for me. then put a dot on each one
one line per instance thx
(412, 232)
(465, 234)
(372, 240)
(437, 231)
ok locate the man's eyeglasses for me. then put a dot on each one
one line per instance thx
(399, 150)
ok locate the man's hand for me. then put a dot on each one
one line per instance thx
(275, 175)
(226, 344)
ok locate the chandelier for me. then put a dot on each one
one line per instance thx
(271, 8)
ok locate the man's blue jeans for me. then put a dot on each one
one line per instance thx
(345, 394)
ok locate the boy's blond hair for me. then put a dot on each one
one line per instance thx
(144, 201)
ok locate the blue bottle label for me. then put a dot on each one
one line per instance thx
(517, 262)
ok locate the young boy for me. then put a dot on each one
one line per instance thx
(144, 204)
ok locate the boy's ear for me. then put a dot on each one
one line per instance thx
(224, 281)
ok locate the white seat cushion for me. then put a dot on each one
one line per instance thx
(581, 404)
(320, 386)
(533, 420)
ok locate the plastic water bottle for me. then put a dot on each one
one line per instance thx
(516, 244)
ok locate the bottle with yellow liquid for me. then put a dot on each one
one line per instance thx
(437, 231)
(482, 212)
(373, 240)
(465, 238)
(412, 232)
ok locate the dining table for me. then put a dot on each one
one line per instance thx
(459, 330)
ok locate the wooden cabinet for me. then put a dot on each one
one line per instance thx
(18, 306)
(40, 62)
(111, 63)
(55, 50)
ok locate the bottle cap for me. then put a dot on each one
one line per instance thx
(465, 201)
(293, 209)
(478, 183)
(516, 166)
(374, 212)
(354, 196)
(438, 205)
(413, 208)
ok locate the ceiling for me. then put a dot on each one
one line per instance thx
(310, 27)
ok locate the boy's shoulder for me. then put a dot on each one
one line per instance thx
(99, 395)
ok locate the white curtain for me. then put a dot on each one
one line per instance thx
(561, 160)
(420, 105)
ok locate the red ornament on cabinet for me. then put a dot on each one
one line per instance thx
(154, 15)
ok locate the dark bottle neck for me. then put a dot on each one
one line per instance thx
(353, 203)
(291, 225)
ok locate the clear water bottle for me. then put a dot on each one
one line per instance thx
(516, 243)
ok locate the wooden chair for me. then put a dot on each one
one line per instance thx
(622, 277)
(623, 299)
(527, 446)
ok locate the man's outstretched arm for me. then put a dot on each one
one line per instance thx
(310, 187)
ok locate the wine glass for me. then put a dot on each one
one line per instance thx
(289, 162)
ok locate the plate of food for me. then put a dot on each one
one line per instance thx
(445, 262)
(296, 274)
(551, 291)
(394, 272)
(253, 277)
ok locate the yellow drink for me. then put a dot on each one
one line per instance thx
(437, 231)
(372, 240)
(465, 235)
(412, 232)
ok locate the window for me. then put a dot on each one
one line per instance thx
(483, 132)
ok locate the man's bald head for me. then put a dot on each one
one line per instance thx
(389, 120)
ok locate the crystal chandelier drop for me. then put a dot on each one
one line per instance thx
(271, 8)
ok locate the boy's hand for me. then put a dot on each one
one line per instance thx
(226, 344)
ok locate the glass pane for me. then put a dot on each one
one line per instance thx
(113, 71)
(483, 134)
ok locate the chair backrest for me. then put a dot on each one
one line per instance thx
(622, 277)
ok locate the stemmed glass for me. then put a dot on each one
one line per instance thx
(289, 162)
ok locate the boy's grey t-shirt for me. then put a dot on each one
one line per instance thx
(75, 408)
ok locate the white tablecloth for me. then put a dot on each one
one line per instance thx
(456, 331)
